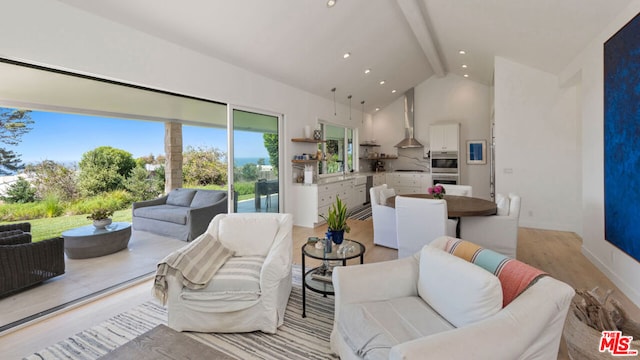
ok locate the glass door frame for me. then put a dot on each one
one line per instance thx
(230, 153)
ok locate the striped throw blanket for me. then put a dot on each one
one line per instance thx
(515, 276)
(197, 262)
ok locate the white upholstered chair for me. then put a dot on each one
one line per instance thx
(458, 190)
(420, 221)
(498, 232)
(384, 217)
(250, 292)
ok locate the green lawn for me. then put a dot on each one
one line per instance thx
(47, 228)
(53, 227)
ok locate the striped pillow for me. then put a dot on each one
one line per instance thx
(515, 276)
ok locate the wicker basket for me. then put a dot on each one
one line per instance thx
(583, 341)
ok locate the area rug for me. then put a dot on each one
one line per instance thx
(299, 338)
(361, 213)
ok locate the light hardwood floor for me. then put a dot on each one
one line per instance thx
(557, 253)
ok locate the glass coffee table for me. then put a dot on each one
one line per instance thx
(318, 279)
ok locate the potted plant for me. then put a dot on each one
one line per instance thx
(337, 221)
(100, 217)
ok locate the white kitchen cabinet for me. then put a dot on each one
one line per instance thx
(313, 200)
(444, 137)
(409, 183)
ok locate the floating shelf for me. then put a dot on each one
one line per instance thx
(369, 145)
(306, 140)
(303, 161)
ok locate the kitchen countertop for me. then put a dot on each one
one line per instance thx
(354, 175)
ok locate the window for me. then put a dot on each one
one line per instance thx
(337, 147)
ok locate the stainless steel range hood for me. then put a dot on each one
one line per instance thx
(409, 121)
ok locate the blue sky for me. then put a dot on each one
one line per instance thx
(65, 137)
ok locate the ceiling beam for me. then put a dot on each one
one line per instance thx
(417, 19)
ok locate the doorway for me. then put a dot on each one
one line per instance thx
(254, 180)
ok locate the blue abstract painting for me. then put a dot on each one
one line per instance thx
(622, 138)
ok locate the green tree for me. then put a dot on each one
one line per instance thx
(140, 185)
(271, 144)
(53, 179)
(20, 191)
(13, 124)
(249, 172)
(104, 169)
(204, 166)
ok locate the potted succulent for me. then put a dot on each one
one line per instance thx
(101, 217)
(337, 221)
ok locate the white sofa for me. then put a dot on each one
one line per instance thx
(435, 305)
(384, 217)
(254, 300)
(499, 232)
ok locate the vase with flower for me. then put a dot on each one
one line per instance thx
(437, 191)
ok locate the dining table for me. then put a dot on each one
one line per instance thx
(457, 206)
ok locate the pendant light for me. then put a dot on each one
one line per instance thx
(335, 112)
(349, 97)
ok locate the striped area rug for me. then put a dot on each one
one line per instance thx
(361, 213)
(299, 338)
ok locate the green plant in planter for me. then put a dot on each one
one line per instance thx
(337, 216)
(100, 214)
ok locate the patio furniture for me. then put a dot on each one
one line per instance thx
(183, 214)
(23, 263)
(251, 290)
(89, 242)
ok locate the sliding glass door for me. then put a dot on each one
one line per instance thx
(254, 161)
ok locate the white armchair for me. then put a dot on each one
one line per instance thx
(251, 290)
(458, 190)
(435, 305)
(499, 232)
(384, 217)
(420, 221)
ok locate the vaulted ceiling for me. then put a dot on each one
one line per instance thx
(403, 42)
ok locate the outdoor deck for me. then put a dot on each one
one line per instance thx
(84, 279)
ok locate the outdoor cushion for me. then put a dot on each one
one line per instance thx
(206, 198)
(372, 328)
(181, 197)
(238, 233)
(460, 291)
(170, 213)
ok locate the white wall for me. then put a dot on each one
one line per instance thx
(440, 99)
(617, 265)
(64, 37)
(537, 145)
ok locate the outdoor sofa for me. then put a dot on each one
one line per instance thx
(183, 214)
(24, 263)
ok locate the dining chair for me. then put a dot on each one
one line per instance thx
(419, 221)
(458, 190)
(384, 217)
(498, 232)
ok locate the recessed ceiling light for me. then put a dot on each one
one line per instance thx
(393, 91)
(466, 75)
(346, 55)
(377, 109)
(464, 66)
(366, 71)
(382, 82)
(462, 52)
(330, 3)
